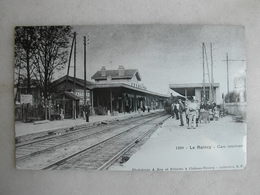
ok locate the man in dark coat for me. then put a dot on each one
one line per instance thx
(87, 112)
(181, 110)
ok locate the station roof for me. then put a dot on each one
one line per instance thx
(114, 74)
(115, 85)
(96, 85)
(69, 95)
(191, 85)
(78, 81)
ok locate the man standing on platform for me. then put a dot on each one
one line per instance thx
(87, 111)
(172, 110)
(181, 110)
(127, 104)
(192, 107)
(176, 110)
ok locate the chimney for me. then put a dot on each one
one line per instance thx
(121, 70)
(103, 71)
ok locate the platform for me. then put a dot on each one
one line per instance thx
(23, 129)
(218, 145)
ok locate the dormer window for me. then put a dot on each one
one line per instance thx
(121, 70)
(103, 71)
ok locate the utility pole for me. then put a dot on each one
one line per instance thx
(212, 79)
(85, 79)
(68, 70)
(75, 50)
(74, 79)
(227, 74)
(203, 64)
(227, 60)
(206, 58)
(86, 107)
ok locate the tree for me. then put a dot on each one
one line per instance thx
(25, 45)
(51, 54)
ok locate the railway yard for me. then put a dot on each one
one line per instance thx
(142, 141)
(94, 147)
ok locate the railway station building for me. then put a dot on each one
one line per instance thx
(196, 90)
(121, 90)
(111, 92)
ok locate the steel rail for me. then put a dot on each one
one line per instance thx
(75, 140)
(61, 161)
(78, 130)
(112, 160)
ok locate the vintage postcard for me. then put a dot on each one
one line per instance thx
(155, 97)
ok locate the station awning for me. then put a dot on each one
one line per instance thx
(176, 94)
(71, 95)
(67, 94)
(191, 85)
(115, 85)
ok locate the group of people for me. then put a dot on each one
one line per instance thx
(194, 112)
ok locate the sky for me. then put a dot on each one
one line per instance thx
(164, 54)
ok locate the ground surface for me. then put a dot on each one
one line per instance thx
(22, 128)
(217, 145)
(85, 148)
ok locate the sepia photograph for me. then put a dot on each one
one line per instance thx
(146, 97)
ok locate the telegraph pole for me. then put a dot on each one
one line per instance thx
(227, 60)
(205, 59)
(86, 107)
(212, 79)
(208, 73)
(68, 70)
(227, 73)
(75, 50)
(67, 76)
(203, 64)
(74, 79)
(85, 79)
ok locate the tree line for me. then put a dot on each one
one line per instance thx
(39, 52)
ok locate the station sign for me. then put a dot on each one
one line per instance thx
(26, 99)
(80, 94)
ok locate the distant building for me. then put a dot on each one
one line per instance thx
(240, 87)
(196, 89)
(64, 97)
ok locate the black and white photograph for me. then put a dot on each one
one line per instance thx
(146, 97)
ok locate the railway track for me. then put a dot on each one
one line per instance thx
(72, 131)
(37, 154)
(35, 147)
(102, 155)
(136, 142)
